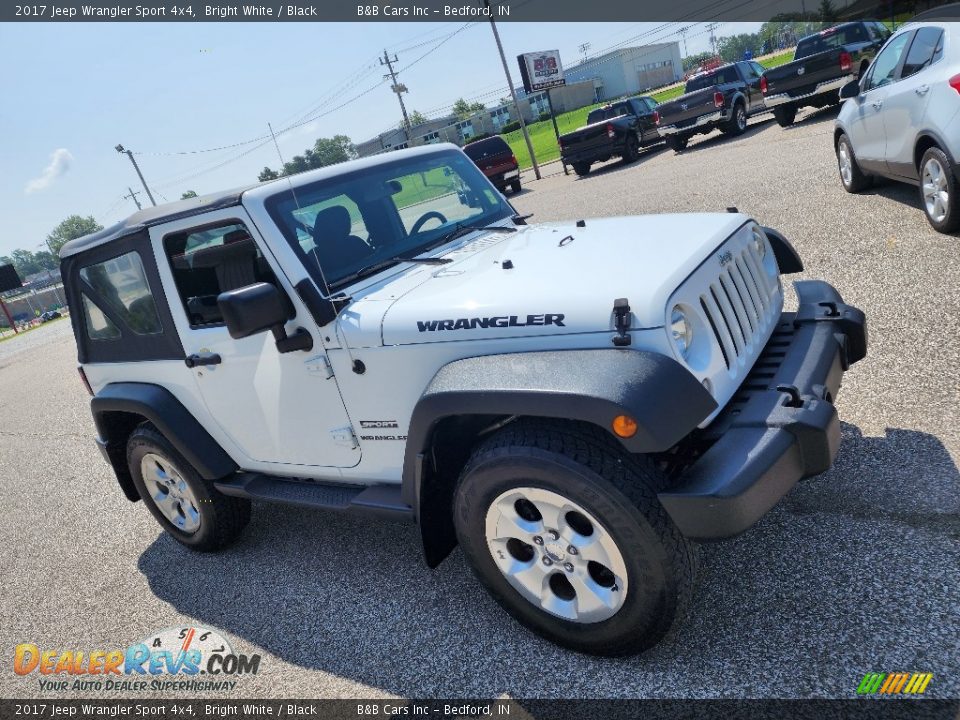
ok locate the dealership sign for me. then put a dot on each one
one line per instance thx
(541, 70)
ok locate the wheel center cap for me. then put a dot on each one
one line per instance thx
(556, 551)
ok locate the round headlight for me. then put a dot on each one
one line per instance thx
(681, 331)
(759, 243)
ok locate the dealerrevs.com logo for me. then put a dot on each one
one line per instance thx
(194, 659)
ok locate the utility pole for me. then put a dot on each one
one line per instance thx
(398, 88)
(121, 149)
(513, 92)
(133, 196)
(683, 34)
(584, 48)
(713, 38)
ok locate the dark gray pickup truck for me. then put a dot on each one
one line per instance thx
(721, 98)
(822, 64)
(616, 130)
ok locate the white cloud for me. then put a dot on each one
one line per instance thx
(60, 161)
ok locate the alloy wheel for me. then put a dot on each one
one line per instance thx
(170, 493)
(556, 555)
(936, 196)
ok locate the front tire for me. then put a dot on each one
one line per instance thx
(852, 177)
(581, 168)
(564, 529)
(185, 504)
(515, 187)
(939, 191)
(785, 115)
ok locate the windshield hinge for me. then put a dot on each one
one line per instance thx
(319, 365)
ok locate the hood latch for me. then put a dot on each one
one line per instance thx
(621, 322)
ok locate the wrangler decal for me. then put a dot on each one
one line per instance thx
(489, 322)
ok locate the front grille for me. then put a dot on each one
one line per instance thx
(738, 304)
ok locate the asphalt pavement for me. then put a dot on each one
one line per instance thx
(855, 571)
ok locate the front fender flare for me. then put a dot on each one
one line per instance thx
(592, 386)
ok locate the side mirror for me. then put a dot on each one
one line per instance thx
(851, 89)
(257, 308)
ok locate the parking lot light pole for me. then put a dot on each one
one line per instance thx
(513, 93)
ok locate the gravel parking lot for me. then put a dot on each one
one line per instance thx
(856, 571)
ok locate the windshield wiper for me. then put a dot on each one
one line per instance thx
(384, 264)
(456, 232)
(462, 229)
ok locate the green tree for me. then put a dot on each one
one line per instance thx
(325, 151)
(827, 12)
(417, 118)
(28, 263)
(71, 228)
(733, 47)
(693, 61)
(189, 194)
(462, 109)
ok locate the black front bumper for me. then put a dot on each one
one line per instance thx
(781, 426)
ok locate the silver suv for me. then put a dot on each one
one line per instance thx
(902, 120)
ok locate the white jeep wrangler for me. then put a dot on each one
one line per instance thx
(573, 404)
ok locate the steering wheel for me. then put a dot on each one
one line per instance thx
(422, 220)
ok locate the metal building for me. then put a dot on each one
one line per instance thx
(629, 70)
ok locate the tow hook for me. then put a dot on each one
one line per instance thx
(621, 322)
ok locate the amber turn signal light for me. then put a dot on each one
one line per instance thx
(624, 426)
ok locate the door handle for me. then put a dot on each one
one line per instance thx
(922, 90)
(198, 359)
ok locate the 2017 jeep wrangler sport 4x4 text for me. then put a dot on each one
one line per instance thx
(577, 405)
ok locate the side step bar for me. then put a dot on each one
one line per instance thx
(380, 500)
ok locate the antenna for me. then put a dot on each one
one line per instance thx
(296, 201)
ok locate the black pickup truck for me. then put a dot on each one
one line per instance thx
(619, 129)
(822, 64)
(721, 98)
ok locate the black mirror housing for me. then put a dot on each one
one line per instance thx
(252, 309)
(851, 89)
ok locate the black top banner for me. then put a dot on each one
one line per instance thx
(461, 11)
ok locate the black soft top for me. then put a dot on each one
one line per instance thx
(154, 216)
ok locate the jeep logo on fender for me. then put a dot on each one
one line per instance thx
(489, 322)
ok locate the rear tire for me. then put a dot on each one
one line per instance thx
(515, 186)
(738, 122)
(630, 574)
(186, 505)
(631, 151)
(785, 115)
(581, 168)
(677, 143)
(852, 177)
(939, 191)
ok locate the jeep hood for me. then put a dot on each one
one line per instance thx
(554, 278)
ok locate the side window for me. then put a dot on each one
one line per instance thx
(884, 67)
(882, 30)
(758, 68)
(923, 50)
(210, 260)
(99, 326)
(121, 283)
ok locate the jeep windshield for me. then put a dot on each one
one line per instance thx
(356, 224)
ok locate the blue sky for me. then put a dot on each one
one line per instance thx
(70, 93)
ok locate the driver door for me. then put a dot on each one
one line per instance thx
(283, 409)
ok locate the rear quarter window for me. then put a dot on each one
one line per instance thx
(121, 283)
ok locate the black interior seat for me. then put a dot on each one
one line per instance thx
(336, 247)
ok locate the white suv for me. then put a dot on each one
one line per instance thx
(573, 403)
(902, 120)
